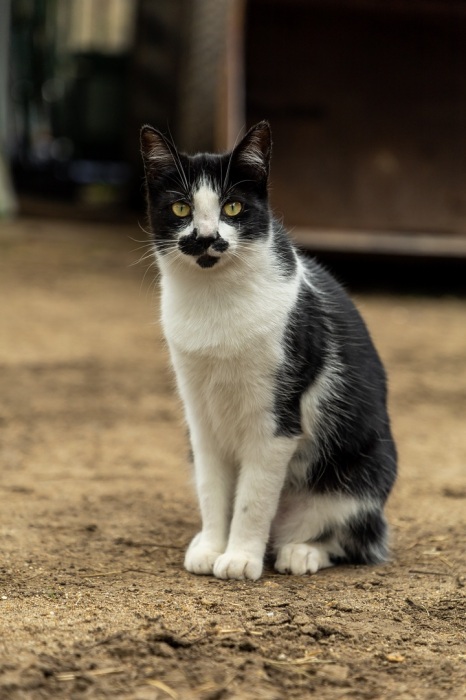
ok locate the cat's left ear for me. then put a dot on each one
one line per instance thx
(254, 150)
(157, 152)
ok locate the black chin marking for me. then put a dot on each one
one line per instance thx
(207, 261)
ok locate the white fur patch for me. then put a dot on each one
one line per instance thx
(299, 559)
(304, 517)
(206, 210)
(200, 558)
(240, 310)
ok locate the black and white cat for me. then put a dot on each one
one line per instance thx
(283, 390)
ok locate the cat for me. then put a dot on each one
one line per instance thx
(283, 391)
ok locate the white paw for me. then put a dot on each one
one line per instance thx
(201, 557)
(238, 565)
(301, 559)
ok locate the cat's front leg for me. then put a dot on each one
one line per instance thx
(215, 484)
(261, 479)
(202, 554)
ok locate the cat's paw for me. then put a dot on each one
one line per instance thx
(200, 557)
(238, 565)
(301, 559)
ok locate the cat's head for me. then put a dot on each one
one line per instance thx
(206, 209)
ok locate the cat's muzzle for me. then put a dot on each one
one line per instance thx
(198, 247)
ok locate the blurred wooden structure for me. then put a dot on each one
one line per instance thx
(366, 98)
(367, 101)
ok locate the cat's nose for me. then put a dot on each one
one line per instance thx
(197, 245)
(209, 233)
(206, 240)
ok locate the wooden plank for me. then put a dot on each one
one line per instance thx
(401, 7)
(368, 114)
(381, 242)
(231, 117)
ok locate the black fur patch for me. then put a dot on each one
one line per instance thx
(283, 250)
(207, 261)
(365, 539)
(220, 245)
(196, 245)
(357, 454)
(305, 342)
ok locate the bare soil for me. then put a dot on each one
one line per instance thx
(97, 506)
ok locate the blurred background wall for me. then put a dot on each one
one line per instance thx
(366, 98)
(83, 76)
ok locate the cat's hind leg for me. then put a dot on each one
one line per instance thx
(306, 558)
(314, 531)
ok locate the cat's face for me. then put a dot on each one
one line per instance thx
(207, 209)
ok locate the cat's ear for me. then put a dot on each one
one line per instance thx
(254, 150)
(158, 153)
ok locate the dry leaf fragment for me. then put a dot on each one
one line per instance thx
(106, 671)
(73, 675)
(70, 676)
(228, 630)
(162, 686)
(309, 658)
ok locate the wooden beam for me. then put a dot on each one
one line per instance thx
(401, 7)
(442, 245)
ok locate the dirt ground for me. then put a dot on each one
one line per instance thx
(97, 506)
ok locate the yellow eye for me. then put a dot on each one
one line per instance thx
(181, 209)
(232, 208)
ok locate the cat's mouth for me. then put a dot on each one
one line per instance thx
(206, 249)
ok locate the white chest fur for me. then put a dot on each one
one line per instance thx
(226, 312)
(225, 333)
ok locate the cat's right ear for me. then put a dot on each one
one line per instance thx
(157, 152)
